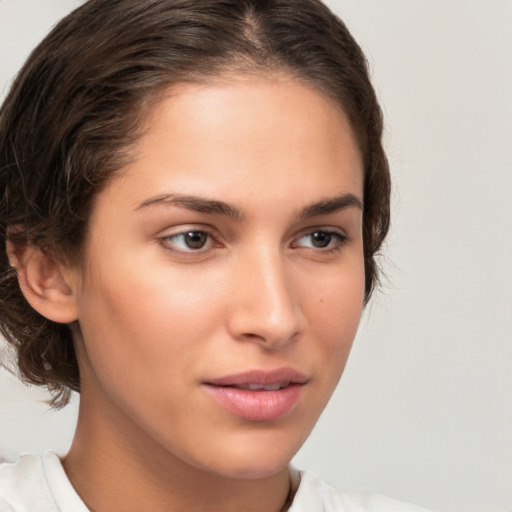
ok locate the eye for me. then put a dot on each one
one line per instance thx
(321, 239)
(188, 241)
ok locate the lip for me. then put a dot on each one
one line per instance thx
(233, 393)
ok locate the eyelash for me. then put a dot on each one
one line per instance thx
(339, 238)
(182, 234)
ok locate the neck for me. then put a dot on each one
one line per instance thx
(122, 468)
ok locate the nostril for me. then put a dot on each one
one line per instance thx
(251, 335)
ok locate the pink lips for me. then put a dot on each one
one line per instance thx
(258, 395)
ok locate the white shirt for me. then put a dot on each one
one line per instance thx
(39, 484)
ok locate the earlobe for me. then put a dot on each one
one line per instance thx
(44, 282)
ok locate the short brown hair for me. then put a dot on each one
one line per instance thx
(76, 105)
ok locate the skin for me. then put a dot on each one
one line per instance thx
(157, 318)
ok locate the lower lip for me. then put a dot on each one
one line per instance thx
(256, 405)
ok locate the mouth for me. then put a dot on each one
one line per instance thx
(258, 395)
(262, 387)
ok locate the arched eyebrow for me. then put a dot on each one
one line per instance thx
(331, 205)
(193, 203)
(212, 206)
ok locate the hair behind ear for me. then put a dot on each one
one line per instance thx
(41, 305)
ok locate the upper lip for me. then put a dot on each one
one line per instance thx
(260, 377)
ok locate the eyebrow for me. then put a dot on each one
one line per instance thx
(193, 203)
(331, 205)
(203, 205)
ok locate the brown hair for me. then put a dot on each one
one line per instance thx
(75, 107)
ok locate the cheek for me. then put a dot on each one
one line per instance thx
(143, 318)
(334, 312)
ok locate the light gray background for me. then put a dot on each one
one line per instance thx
(424, 410)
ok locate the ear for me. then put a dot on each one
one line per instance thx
(47, 285)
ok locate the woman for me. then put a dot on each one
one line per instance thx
(193, 197)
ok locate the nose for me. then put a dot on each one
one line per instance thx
(265, 305)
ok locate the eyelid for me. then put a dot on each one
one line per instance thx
(214, 239)
(183, 230)
(338, 233)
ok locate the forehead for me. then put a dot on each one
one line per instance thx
(273, 136)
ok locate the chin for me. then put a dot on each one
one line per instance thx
(254, 460)
(262, 467)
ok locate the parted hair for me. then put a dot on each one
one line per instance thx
(76, 107)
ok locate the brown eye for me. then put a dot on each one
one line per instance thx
(195, 239)
(188, 241)
(321, 239)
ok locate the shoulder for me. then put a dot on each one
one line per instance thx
(23, 485)
(36, 483)
(316, 495)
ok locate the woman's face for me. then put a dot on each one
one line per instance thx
(224, 276)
